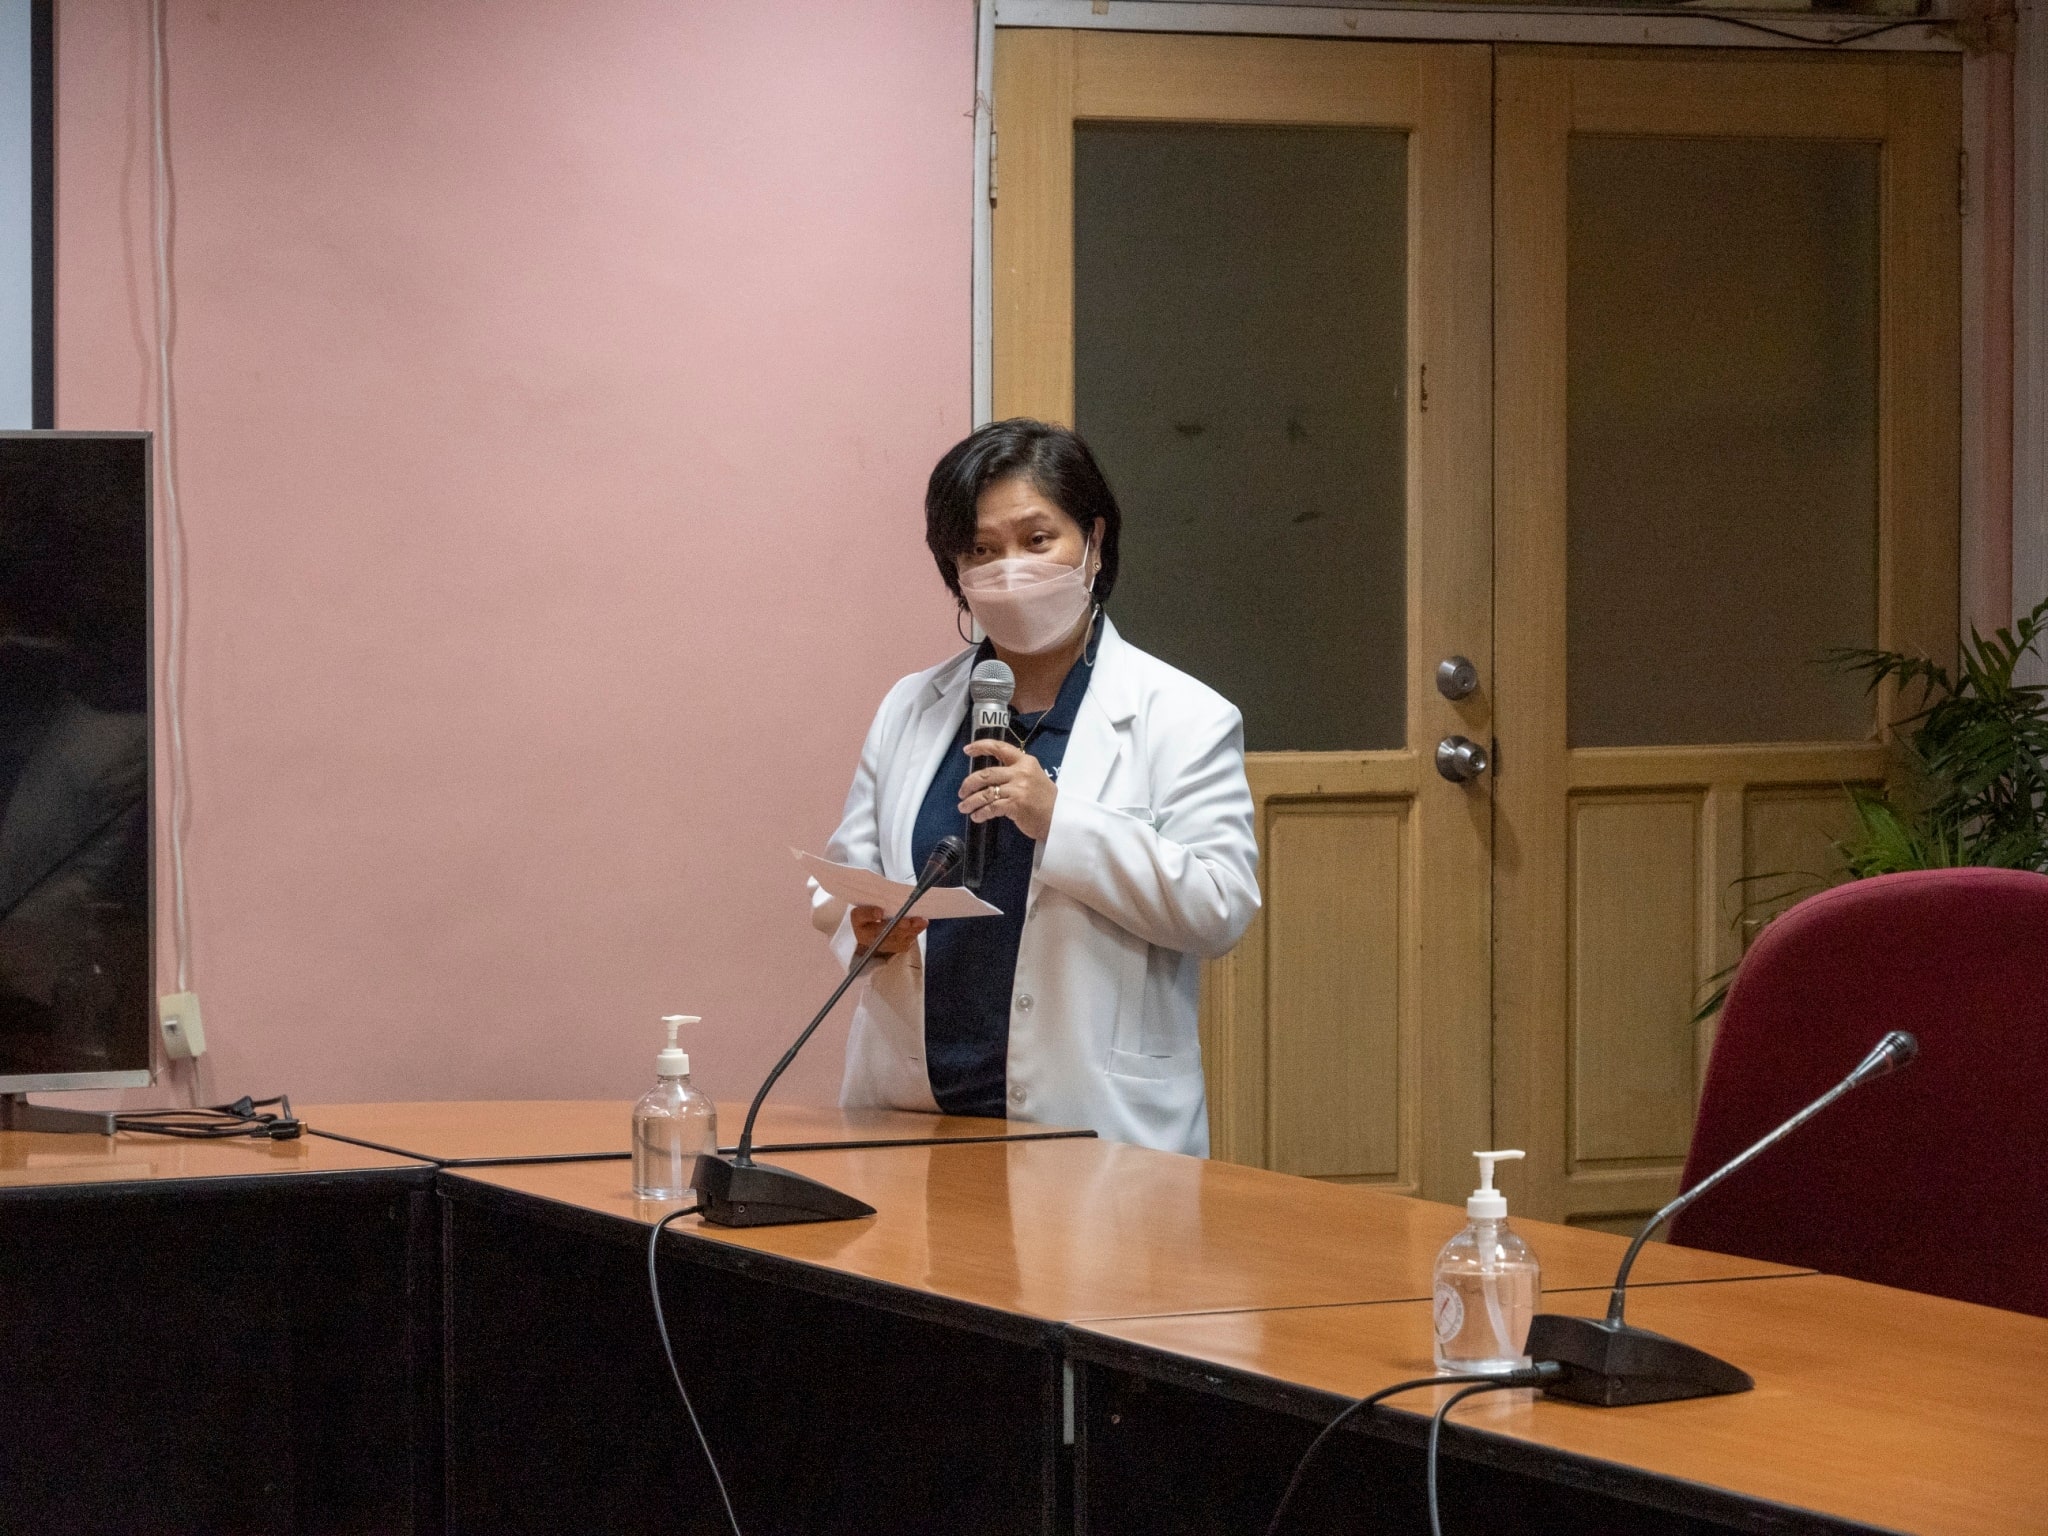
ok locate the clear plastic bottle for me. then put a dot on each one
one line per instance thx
(671, 1125)
(1487, 1286)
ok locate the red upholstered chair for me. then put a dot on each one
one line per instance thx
(1934, 1179)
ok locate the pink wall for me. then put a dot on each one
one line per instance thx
(556, 383)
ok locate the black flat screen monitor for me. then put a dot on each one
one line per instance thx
(76, 877)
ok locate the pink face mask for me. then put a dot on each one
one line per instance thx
(1029, 604)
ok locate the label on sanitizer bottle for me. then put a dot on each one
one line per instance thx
(1449, 1307)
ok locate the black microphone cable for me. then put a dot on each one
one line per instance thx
(668, 1349)
(1539, 1373)
(1526, 1376)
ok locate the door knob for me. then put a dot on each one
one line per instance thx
(1459, 759)
(1456, 678)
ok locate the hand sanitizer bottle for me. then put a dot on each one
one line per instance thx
(671, 1125)
(1487, 1285)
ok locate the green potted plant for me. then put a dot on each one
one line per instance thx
(1974, 785)
(1972, 782)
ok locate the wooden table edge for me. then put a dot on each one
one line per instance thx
(412, 1170)
(1397, 1301)
(780, 1148)
(1025, 1328)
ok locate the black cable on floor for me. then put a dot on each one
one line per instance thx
(1526, 1376)
(668, 1349)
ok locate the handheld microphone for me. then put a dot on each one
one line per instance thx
(1609, 1364)
(991, 688)
(739, 1192)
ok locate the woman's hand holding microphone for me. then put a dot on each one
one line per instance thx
(1016, 787)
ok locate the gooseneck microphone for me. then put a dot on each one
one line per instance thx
(1885, 1058)
(990, 689)
(1608, 1363)
(739, 1192)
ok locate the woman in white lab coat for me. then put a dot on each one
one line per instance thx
(1124, 851)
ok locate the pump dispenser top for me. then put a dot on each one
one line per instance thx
(1488, 1203)
(675, 1062)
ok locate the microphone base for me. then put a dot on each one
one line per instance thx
(756, 1195)
(1611, 1365)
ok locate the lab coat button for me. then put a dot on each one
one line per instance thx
(1024, 1003)
(1017, 1096)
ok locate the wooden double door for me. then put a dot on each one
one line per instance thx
(1628, 380)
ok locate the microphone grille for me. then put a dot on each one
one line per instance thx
(992, 683)
(1894, 1051)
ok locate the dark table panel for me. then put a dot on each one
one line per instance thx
(221, 1355)
(1168, 1444)
(832, 1405)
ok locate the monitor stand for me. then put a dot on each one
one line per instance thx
(17, 1114)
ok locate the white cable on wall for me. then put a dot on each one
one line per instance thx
(167, 479)
(983, 281)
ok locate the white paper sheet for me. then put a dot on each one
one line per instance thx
(865, 888)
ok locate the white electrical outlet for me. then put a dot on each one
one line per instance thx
(184, 1035)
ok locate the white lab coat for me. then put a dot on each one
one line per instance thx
(1150, 866)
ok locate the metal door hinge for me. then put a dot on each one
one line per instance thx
(993, 162)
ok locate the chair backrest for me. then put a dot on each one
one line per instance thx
(1934, 1179)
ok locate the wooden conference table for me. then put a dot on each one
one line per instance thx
(1185, 1326)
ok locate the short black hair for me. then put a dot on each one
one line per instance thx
(1059, 467)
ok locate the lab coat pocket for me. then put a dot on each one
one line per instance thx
(1131, 1064)
(1130, 1036)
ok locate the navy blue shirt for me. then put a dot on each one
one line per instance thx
(970, 963)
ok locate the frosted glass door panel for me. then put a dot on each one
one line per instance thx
(1722, 405)
(1240, 315)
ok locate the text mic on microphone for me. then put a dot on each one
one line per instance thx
(989, 691)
